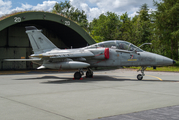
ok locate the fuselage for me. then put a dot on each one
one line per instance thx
(120, 53)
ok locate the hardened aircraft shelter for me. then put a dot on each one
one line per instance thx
(14, 42)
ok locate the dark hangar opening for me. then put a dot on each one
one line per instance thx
(15, 44)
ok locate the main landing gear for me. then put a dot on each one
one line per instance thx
(89, 73)
(80, 73)
(140, 76)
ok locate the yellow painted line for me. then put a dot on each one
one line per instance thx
(155, 77)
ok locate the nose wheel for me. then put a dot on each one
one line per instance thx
(140, 76)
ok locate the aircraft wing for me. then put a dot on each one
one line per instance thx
(74, 55)
(65, 55)
(38, 59)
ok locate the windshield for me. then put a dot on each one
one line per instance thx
(133, 47)
(127, 46)
(116, 44)
(122, 45)
(108, 44)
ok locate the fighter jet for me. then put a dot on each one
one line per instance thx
(103, 54)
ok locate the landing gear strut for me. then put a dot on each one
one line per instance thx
(89, 73)
(140, 76)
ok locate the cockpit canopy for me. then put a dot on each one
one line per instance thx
(116, 44)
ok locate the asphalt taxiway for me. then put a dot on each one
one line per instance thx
(55, 95)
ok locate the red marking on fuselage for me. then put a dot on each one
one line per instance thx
(132, 57)
(106, 53)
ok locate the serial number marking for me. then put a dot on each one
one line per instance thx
(132, 59)
(67, 23)
(17, 19)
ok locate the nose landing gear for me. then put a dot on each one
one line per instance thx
(140, 76)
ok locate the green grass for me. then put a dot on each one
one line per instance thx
(174, 68)
(167, 69)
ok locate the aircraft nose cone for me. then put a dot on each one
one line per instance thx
(167, 61)
(163, 61)
(174, 62)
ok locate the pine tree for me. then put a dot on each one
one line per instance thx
(106, 27)
(167, 26)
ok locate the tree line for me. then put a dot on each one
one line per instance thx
(159, 27)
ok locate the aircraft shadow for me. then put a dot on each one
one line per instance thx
(101, 78)
(86, 80)
(68, 80)
(44, 77)
(97, 78)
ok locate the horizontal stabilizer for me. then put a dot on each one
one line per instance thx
(22, 59)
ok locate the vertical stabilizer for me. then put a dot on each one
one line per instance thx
(39, 42)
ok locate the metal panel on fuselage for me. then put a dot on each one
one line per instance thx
(129, 59)
(148, 59)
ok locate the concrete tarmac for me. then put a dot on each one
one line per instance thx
(51, 95)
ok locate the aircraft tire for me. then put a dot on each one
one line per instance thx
(77, 75)
(139, 77)
(89, 74)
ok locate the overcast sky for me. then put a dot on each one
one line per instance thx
(93, 8)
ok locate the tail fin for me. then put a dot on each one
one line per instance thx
(40, 43)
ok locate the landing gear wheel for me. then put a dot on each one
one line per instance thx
(89, 74)
(139, 77)
(77, 75)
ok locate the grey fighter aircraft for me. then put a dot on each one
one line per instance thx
(108, 53)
